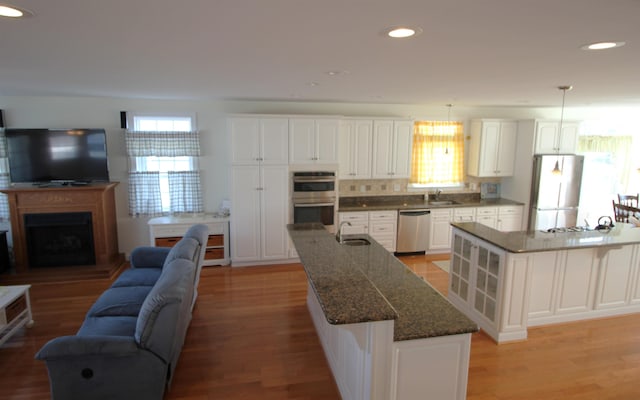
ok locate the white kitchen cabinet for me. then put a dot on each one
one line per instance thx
(550, 140)
(464, 214)
(259, 214)
(359, 221)
(392, 140)
(355, 148)
(509, 218)
(383, 227)
(476, 277)
(259, 140)
(492, 148)
(313, 140)
(487, 216)
(440, 230)
(380, 225)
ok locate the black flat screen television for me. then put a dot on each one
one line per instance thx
(57, 155)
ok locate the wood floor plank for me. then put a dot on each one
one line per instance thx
(251, 337)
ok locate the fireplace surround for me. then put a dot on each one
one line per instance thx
(96, 202)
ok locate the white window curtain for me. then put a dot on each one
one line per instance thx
(4, 177)
(163, 173)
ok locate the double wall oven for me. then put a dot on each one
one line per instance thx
(314, 197)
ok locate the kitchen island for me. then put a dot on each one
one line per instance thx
(386, 333)
(508, 281)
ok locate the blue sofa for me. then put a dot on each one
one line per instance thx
(131, 338)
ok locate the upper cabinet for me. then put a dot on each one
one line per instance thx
(313, 140)
(492, 148)
(259, 140)
(355, 148)
(392, 141)
(550, 140)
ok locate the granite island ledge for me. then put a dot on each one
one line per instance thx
(367, 283)
(386, 333)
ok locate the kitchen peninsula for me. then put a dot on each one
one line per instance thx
(507, 282)
(386, 333)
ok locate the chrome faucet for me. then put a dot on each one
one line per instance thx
(438, 191)
(343, 223)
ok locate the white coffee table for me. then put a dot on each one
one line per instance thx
(15, 310)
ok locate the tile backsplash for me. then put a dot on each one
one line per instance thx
(368, 187)
(379, 187)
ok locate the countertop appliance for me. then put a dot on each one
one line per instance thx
(555, 192)
(413, 231)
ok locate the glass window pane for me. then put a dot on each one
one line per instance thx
(494, 263)
(483, 257)
(490, 310)
(465, 270)
(492, 286)
(479, 303)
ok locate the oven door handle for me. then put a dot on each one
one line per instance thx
(313, 204)
(306, 180)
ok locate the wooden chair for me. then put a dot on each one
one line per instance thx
(622, 212)
(628, 200)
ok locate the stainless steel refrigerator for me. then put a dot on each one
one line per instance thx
(555, 192)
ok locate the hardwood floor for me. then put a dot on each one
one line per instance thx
(252, 338)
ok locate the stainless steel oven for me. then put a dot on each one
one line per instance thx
(314, 197)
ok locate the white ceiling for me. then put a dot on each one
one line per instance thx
(471, 52)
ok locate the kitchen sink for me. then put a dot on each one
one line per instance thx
(355, 242)
(443, 202)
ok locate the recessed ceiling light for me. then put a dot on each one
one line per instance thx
(602, 45)
(14, 12)
(403, 32)
(337, 72)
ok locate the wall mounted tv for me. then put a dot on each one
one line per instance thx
(65, 156)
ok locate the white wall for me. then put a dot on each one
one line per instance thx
(93, 112)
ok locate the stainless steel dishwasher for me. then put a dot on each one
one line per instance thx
(413, 231)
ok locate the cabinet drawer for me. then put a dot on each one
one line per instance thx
(215, 240)
(167, 241)
(510, 210)
(383, 227)
(487, 211)
(13, 309)
(383, 215)
(354, 216)
(214, 254)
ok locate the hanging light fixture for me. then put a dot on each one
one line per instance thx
(556, 169)
(446, 150)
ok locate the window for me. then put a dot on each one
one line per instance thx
(437, 155)
(163, 166)
(610, 165)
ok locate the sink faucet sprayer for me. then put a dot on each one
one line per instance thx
(343, 223)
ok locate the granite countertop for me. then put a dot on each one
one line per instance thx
(413, 202)
(356, 284)
(529, 242)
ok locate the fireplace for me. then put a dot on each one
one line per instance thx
(59, 239)
(91, 228)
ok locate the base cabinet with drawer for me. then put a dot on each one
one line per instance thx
(167, 231)
(380, 225)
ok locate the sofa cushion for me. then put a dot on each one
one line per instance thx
(186, 248)
(137, 277)
(108, 326)
(120, 301)
(163, 304)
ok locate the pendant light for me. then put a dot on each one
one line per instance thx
(556, 169)
(446, 150)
